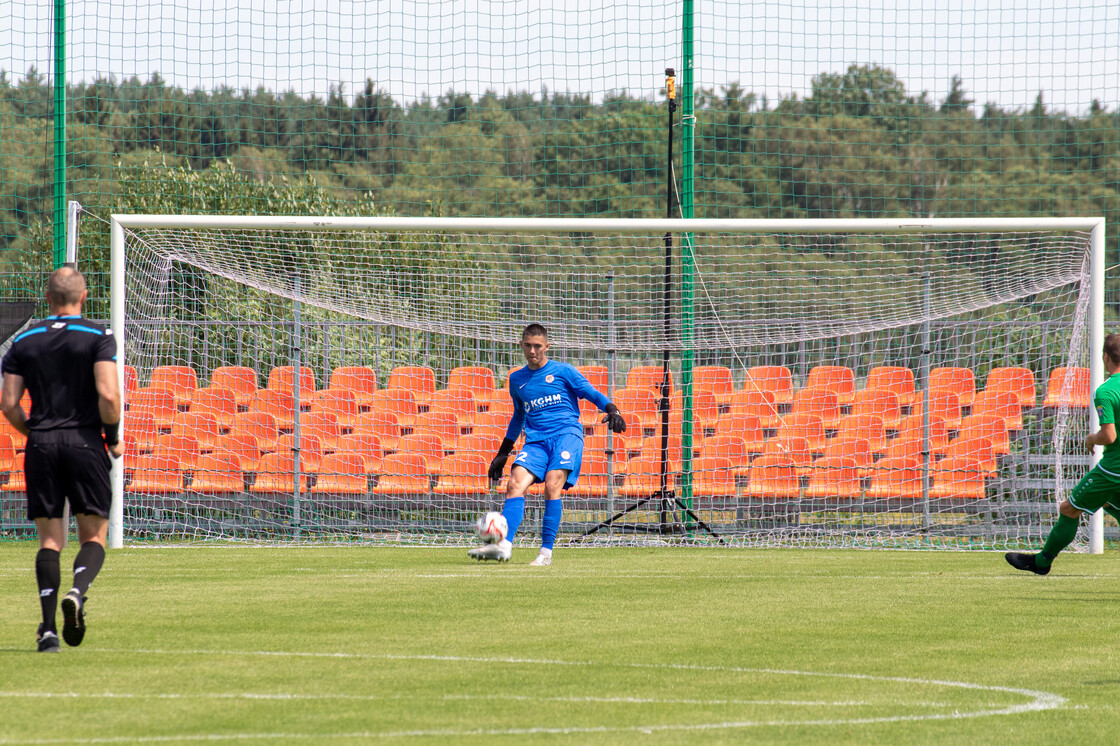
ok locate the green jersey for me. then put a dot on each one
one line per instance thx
(1107, 401)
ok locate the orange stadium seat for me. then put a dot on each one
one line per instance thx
(342, 474)
(911, 428)
(773, 477)
(895, 379)
(495, 400)
(358, 380)
(1019, 381)
(7, 452)
(282, 378)
(310, 452)
(279, 404)
(596, 375)
(366, 445)
(493, 419)
(643, 476)
(199, 425)
(217, 473)
(943, 403)
(744, 426)
(463, 474)
(17, 481)
(878, 402)
(276, 472)
(834, 477)
(648, 377)
(219, 403)
(794, 447)
(705, 412)
(398, 402)
(384, 425)
(184, 448)
(131, 380)
(180, 380)
(960, 381)
(471, 377)
(428, 445)
(593, 479)
(1077, 395)
(324, 426)
(823, 402)
(713, 476)
(715, 379)
(488, 444)
(857, 449)
(1000, 403)
(242, 381)
(728, 446)
(159, 403)
(651, 446)
(907, 447)
(158, 474)
(987, 426)
(775, 379)
(640, 403)
(342, 403)
(261, 426)
(18, 438)
(418, 380)
(958, 478)
(837, 378)
(868, 427)
(805, 425)
(141, 429)
(896, 479)
(975, 447)
(458, 401)
(443, 424)
(242, 445)
(758, 404)
(402, 474)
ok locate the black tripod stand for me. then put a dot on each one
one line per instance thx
(666, 498)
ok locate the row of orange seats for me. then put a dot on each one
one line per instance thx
(771, 477)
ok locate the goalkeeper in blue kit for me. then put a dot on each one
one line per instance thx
(545, 397)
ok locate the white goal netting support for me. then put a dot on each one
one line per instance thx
(843, 383)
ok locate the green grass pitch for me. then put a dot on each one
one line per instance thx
(653, 646)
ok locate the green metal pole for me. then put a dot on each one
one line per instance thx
(59, 133)
(688, 126)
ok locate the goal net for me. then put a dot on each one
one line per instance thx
(793, 383)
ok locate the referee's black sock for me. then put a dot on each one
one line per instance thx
(87, 564)
(49, 578)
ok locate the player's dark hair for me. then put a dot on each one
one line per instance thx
(1112, 348)
(534, 330)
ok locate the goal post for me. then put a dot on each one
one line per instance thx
(449, 294)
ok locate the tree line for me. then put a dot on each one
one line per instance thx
(859, 145)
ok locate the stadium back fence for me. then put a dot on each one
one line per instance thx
(874, 398)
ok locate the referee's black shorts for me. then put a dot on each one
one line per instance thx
(69, 463)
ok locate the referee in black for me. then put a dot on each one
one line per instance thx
(68, 363)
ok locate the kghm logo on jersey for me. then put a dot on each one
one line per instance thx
(543, 401)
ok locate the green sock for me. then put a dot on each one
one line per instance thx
(1060, 536)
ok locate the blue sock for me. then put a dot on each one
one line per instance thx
(550, 525)
(514, 510)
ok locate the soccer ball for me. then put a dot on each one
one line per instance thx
(491, 528)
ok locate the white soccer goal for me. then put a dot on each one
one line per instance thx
(866, 383)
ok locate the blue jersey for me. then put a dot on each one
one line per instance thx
(546, 401)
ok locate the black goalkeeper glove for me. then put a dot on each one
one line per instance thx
(499, 462)
(614, 420)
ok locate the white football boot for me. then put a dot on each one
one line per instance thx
(544, 559)
(500, 552)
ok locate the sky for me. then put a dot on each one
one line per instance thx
(1005, 52)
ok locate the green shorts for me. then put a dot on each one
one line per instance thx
(1095, 490)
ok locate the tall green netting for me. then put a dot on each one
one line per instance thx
(442, 108)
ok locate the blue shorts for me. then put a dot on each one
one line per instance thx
(543, 456)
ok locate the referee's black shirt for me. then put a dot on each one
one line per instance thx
(55, 357)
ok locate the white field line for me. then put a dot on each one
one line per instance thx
(1036, 701)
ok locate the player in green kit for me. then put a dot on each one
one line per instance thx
(1100, 488)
